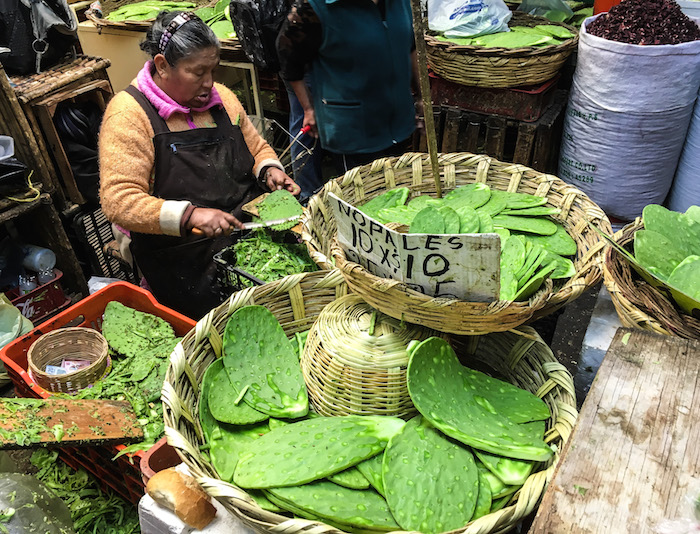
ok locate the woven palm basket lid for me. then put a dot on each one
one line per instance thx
(482, 66)
(297, 301)
(638, 303)
(355, 359)
(413, 170)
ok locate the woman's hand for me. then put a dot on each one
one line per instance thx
(276, 179)
(212, 222)
(310, 121)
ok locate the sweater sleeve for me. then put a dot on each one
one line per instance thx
(262, 152)
(126, 168)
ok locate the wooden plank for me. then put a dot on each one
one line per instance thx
(495, 136)
(635, 452)
(28, 423)
(450, 132)
(471, 135)
(524, 143)
(59, 155)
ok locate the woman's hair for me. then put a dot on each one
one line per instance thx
(187, 39)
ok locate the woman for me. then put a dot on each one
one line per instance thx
(178, 153)
(362, 65)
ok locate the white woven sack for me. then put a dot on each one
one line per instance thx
(626, 120)
(685, 191)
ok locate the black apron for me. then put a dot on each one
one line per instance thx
(211, 168)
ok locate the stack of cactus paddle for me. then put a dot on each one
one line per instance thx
(534, 247)
(475, 442)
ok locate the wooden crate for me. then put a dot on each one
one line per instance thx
(535, 144)
(27, 104)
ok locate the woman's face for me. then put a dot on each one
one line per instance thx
(190, 81)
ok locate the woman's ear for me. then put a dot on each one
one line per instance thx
(161, 65)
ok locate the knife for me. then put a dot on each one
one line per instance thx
(253, 225)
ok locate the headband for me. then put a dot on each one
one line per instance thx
(175, 24)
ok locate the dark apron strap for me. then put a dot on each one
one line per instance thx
(157, 122)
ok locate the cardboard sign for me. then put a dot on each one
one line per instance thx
(464, 266)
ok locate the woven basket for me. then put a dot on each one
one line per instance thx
(501, 67)
(143, 26)
(354, 367)
(455, 316)
(296, 301)
(638, 303)
(73, 343)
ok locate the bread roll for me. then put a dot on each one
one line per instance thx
(181, 494)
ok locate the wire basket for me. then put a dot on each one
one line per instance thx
(638, 303)
(297, 301)
(501, 67)
(413, 170)
(291, 150)
(76, 343)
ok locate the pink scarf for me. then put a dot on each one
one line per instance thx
(165, 105)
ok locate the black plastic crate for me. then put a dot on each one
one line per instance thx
(94, 231)
(233, 278)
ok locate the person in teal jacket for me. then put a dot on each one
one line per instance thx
(360, 55)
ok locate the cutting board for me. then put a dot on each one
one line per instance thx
(634, 455)
(27, 423)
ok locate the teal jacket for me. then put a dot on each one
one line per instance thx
(362, 75)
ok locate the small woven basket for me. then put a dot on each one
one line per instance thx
(73, 343)
(501, 67)
(638, 303)
(297, 301)
(413, 170)
(354, 361)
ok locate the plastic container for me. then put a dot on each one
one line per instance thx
(160, 456)
(601, 6)
(122, 475)
(38, 258)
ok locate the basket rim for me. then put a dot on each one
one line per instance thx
(630, 312)
(530, 51)
(102, 358)
(181, 374)
(591, 258)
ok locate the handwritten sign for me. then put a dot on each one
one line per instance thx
(464, 266)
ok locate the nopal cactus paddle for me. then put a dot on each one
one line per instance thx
(372, 471)
(222, 396)
(262, 364)
(472, 407)
(350, 478)
(225, 441)
(312, 449)
(342, 506)
(431, 482)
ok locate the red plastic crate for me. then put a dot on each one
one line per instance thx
(41, 301)
(122, 475)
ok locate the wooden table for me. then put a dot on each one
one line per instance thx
(636, 448)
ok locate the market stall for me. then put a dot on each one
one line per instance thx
(380, 358)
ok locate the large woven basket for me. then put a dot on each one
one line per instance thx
(455, 316)
(501, 67)
(296, 301)
(143, 26)
(639, 304)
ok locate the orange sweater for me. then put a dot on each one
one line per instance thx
(127, 157)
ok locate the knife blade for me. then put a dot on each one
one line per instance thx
(253, 225)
